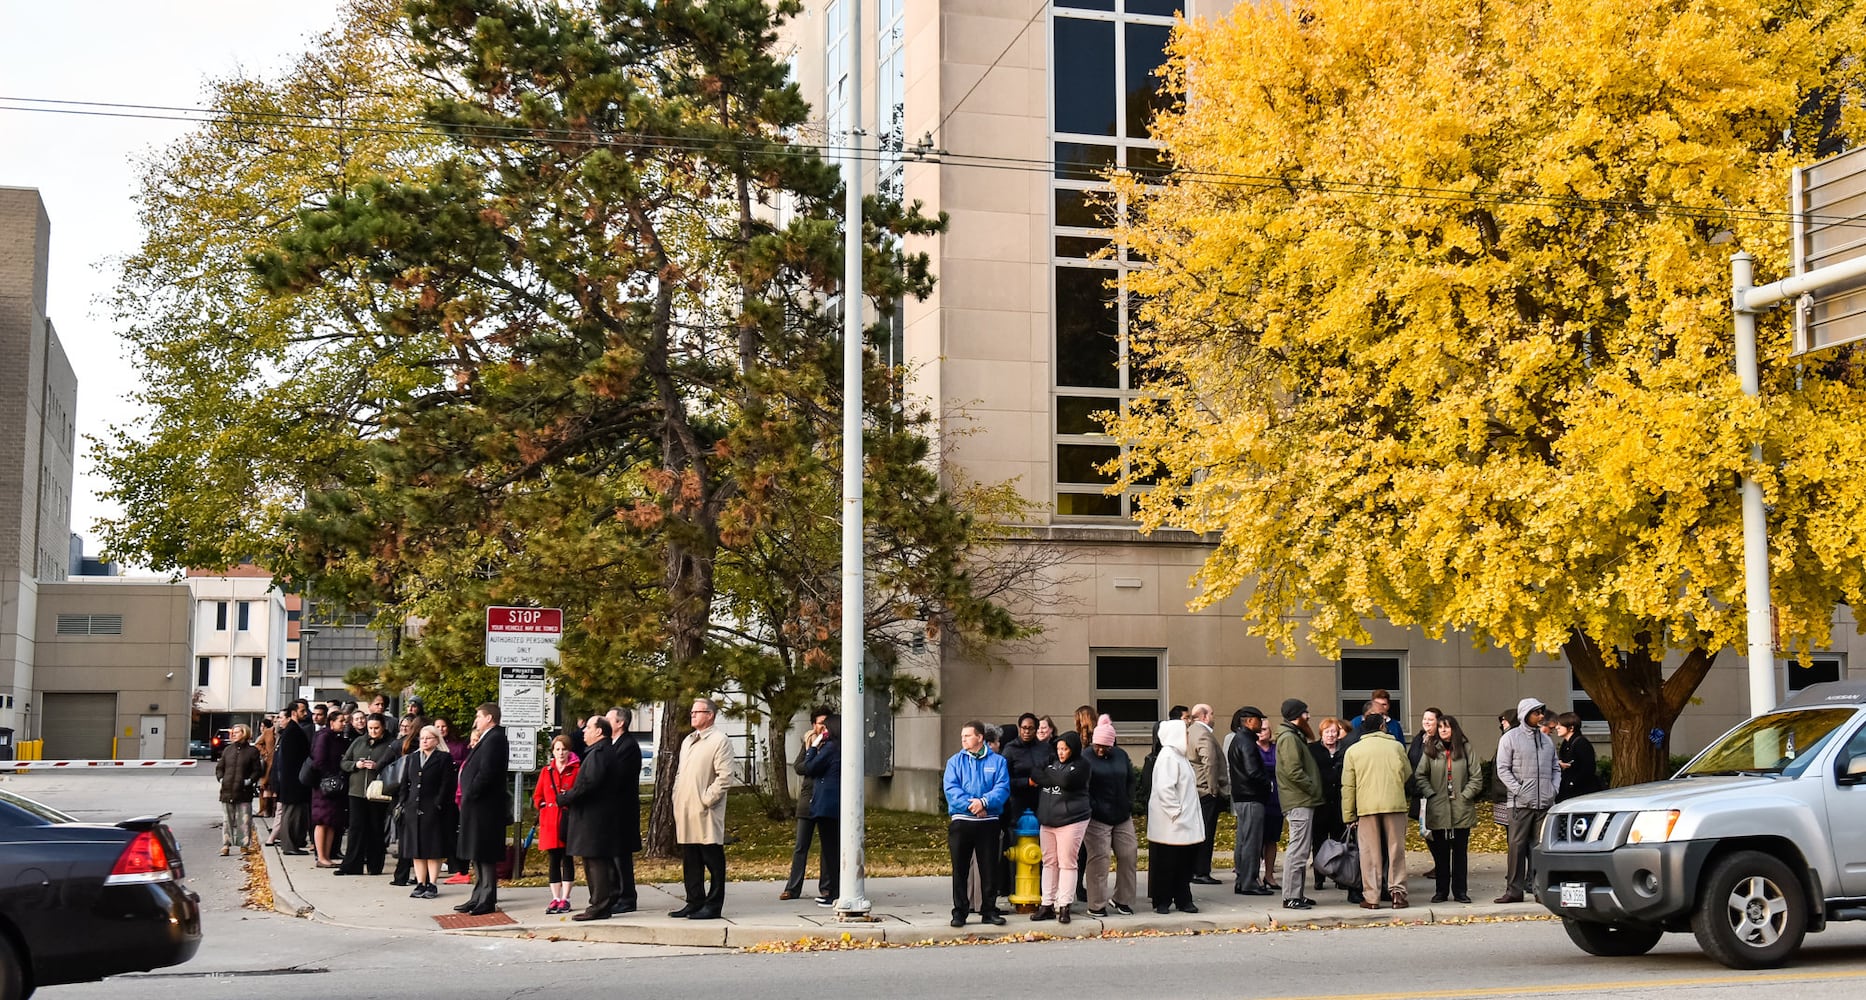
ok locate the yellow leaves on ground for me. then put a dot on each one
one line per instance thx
(1442, 295)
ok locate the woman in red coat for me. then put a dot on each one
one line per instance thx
(554, 780)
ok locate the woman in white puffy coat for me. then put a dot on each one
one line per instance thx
(1175, 825)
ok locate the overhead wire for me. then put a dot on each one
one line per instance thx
(594, 138)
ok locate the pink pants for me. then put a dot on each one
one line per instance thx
(1061, 845)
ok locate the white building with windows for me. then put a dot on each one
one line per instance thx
(238, 645)
(1024, 339)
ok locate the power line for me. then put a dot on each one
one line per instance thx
(422, 128)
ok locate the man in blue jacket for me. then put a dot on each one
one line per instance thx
(977, 784)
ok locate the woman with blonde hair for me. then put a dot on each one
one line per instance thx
(427, 807)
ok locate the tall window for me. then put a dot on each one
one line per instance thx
(201, 674)
(1127, 688)
(1104, 91)
(220, 616)
(890, 94)
(836, 73)
(259, 671)
(246, 616)
(1364, 671)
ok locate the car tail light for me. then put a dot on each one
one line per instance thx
(216, 741)
(143, 860)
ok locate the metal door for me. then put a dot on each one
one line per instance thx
(152, 743)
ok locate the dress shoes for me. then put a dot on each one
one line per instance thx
(1162, 909)
(1188, 908)
(1369, 905)
(708, 914)
(1462, 898)
(788, 894)
(1062, 914)
(587, 915)
(1399, 899)
(620, 908)
(482, 909)
(682, 913)
(463, 907)
(295, 854)
(995, 919)
(1045, 912)
(1508, 897)
(401, 881)
(1204, 880)
(1438, 897)
(958, 921)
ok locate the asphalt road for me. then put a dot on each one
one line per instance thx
(248, 953)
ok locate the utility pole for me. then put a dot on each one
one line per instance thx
(853, 905)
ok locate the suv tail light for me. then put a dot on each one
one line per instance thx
(143, 860)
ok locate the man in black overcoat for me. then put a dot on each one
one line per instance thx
(294, 795)
(592, 814)
(483, 808)
(629, 759)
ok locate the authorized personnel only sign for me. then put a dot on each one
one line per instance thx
(523, 637)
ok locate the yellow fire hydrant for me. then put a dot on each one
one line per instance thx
(1027, 855)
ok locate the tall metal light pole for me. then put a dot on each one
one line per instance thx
(853, 905)
(1755, 519)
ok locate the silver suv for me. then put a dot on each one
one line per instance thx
(1756, 842)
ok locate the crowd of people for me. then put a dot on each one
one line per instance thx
(1359, 781)
(344, 788)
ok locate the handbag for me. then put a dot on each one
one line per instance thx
(1340, 859)
(390, 777)
(331, 784)
(307, 773)
(374, 792)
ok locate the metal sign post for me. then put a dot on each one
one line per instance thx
(521, 642)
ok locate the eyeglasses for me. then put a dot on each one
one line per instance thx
(699, 711)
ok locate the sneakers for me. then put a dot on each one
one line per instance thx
(1299, 903)
(826, 901)
(1098, 914)
(1124, 909)
(458, 878)
(558, 906)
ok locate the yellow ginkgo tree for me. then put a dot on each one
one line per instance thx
(1438, 327)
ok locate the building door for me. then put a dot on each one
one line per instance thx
(153, 742)
(79, 726)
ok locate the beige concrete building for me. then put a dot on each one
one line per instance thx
(1022, 341)
(113, 662)
(38, 443)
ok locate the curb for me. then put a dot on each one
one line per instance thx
(887, 930)
(285, 897)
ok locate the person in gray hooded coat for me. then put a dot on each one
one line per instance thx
(1528, 765)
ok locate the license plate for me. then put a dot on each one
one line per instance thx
(1574, 894)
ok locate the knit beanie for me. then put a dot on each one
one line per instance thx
(1104, 732)
(1293, 709)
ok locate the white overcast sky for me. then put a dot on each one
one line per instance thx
(153, 52)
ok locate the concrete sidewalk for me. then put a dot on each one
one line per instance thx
(904, 910)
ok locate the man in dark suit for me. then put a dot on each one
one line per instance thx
(629, 759)
(594, 811)
(294, 795)
(483, 808)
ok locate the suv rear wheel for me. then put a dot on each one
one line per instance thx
(1751, 914)
(1609, 941)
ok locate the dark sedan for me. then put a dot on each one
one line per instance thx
(81, 901)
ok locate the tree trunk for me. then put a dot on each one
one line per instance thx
(660, 842)
(777, 756)
(1639, 702)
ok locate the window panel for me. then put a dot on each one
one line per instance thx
(1365, 673)
(220, 616)
(1077, 414)
(1083, 76)
(1079, 209)
(1080, 463)
(259, 671)
(1087, 505)
(1083, 161)
(1148, 161)
(1820, 669)
(1160, 8)
(1144, 93)
(1087, 4)
(1084, 247)
(1131, 673)
(1119, 710)
(1088, 329)
(201, 671)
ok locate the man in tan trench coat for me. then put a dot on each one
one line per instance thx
(700, 812)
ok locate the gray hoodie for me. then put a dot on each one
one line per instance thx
(1527, 762)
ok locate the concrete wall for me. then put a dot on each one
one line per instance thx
(146, 666)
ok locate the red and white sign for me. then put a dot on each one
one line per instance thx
(523, 637)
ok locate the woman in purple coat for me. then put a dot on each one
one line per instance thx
(330, 811)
